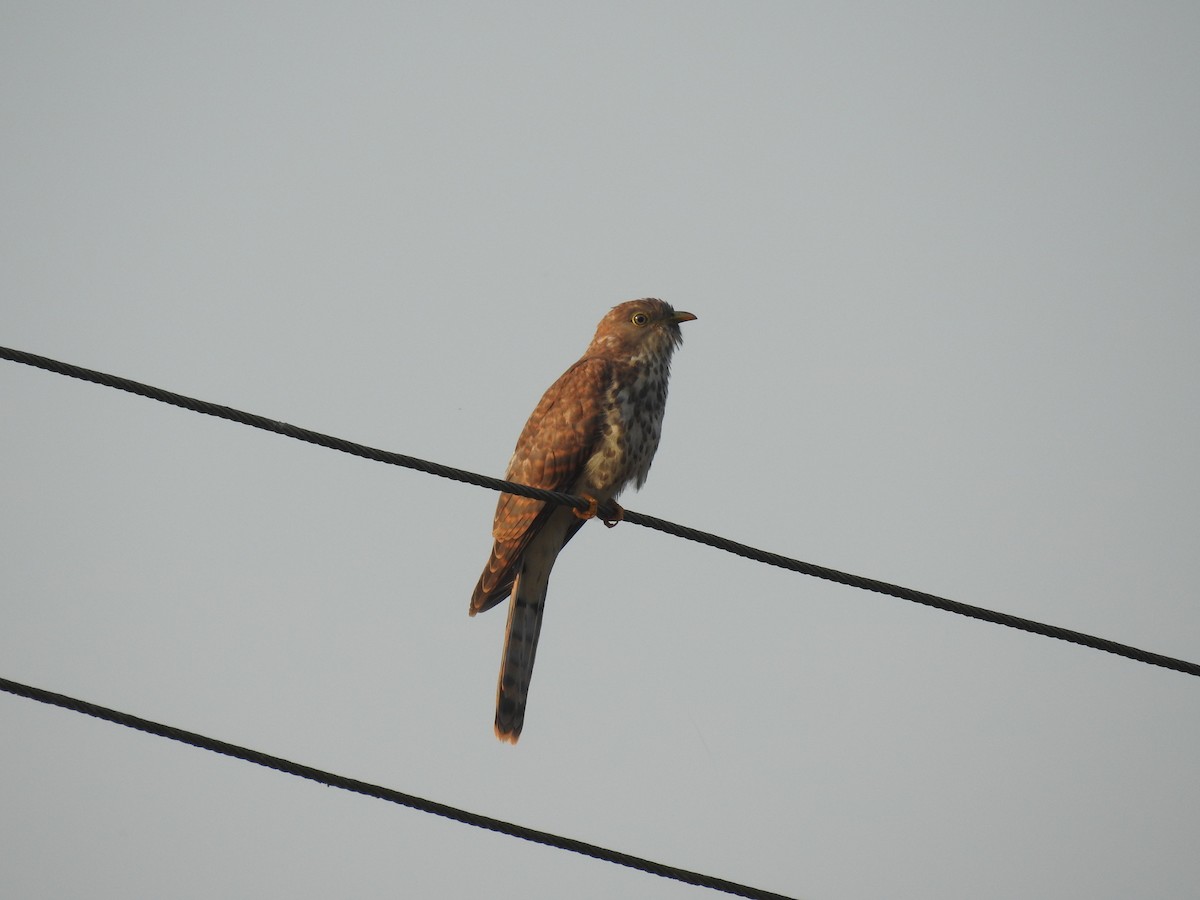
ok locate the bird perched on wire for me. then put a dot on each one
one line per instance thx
(595, 430)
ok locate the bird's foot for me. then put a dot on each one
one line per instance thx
(619, 517)
(594, 508)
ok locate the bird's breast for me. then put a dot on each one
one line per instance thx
(630, 429)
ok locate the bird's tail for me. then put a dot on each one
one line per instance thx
(520, 646)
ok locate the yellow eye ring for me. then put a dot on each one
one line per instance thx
(639, 319)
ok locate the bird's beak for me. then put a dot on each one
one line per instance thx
(682, 317)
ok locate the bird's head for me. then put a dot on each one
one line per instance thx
(640, 329)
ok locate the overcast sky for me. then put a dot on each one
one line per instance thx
(946, 264)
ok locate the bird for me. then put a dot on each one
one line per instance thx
(595, 431)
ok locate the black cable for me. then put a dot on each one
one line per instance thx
(292, 431)
(903, 593)
(691, 534)
(382, 793)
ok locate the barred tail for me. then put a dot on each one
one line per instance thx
(520, 646)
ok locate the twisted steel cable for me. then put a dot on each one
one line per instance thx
(682, 531)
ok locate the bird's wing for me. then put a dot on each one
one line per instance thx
(551, 453)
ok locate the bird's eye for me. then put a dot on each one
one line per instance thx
(640, 319)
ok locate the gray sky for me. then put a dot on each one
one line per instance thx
(945, 259)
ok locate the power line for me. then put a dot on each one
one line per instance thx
(693, 534)
(683, 531)
(383, 793)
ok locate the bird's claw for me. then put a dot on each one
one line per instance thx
(593, 510)
(590, 512)
(619, 517)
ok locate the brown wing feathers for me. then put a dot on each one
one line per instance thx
(551, 453)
